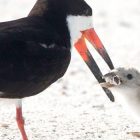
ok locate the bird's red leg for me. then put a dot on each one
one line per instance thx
(20, 121)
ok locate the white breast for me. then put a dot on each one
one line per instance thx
(130, 100)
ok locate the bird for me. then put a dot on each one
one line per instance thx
(124, 82)
(35, 51)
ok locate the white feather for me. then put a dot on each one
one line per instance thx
(76, 24)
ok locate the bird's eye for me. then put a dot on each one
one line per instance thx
(129, 76)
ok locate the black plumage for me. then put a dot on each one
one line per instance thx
(26, 66)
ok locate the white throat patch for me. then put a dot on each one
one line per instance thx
(76, 24)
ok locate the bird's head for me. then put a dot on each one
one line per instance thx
(79, 21)
(122, 78)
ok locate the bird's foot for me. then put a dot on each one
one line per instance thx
(135, 134)
(20, 123)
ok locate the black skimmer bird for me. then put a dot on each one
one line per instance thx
(125, 85)
(35, 50)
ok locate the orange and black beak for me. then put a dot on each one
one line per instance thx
(81, 47)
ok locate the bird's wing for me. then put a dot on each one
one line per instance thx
(27, 52)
